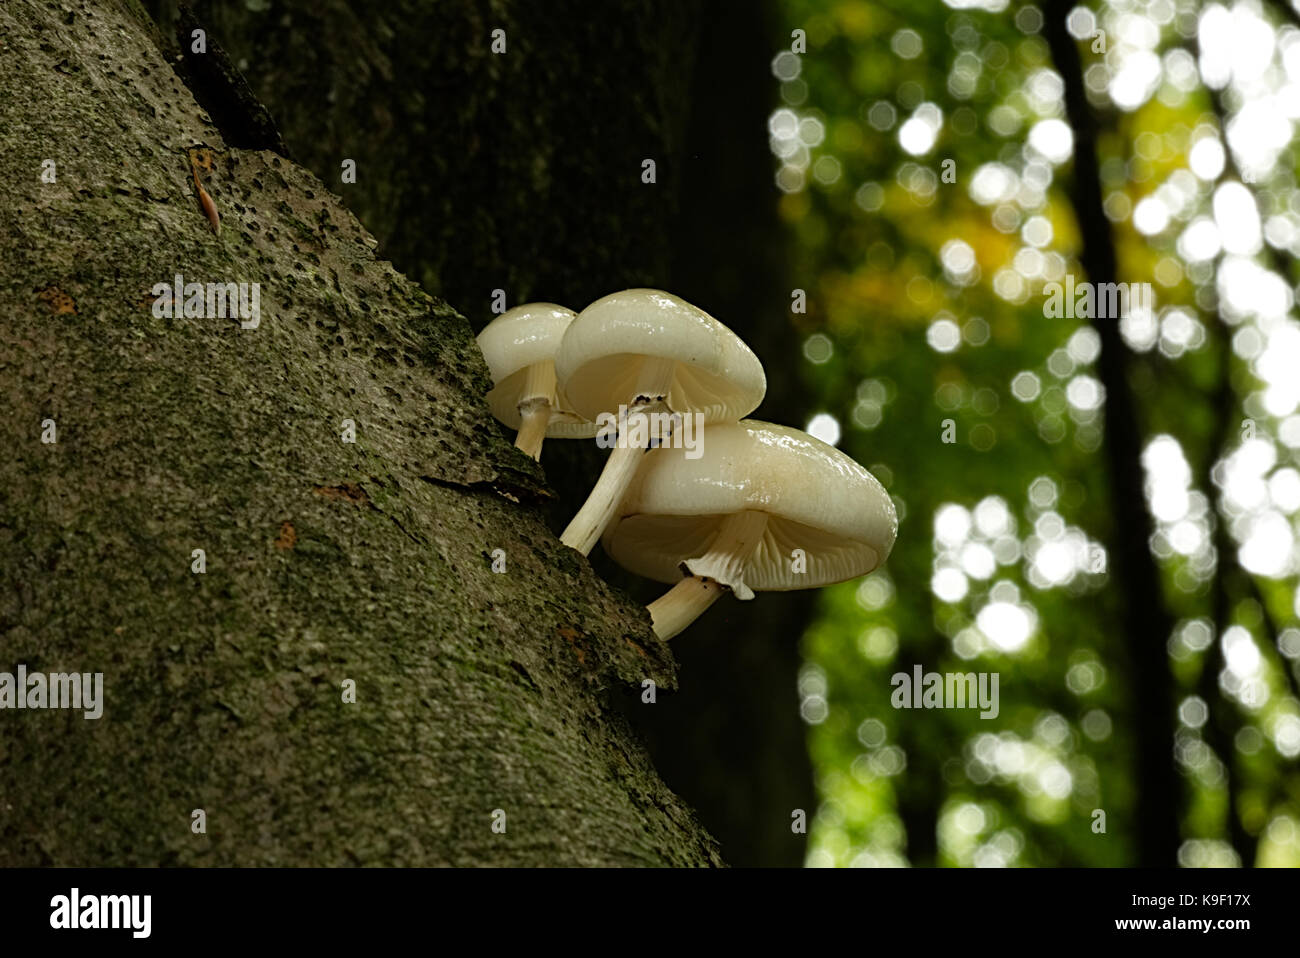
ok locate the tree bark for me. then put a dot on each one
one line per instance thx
(482, 697)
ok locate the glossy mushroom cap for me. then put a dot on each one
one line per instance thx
(815, 498)
(516, 340)
(597, 365)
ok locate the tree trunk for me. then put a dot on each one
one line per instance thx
(482, 730)
(732, 741)
(1147, 622)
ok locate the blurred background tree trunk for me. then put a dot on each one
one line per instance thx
(732, 739)
(1147, 623)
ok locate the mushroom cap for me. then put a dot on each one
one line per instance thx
(816, 499)
(519, 338)
(597, 365)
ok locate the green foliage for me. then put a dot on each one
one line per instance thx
(926, 304)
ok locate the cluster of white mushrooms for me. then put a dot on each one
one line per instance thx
(757, 507)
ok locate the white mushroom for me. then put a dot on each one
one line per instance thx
(732, 519)
(649, 352)
(520, 346)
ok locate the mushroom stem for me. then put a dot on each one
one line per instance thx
(586, 527)
(534, 417)
(654, 381)
(721, 569)
(683, 604)
(730, 550)
(536, 400)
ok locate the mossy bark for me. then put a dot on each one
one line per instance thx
(326, 561)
